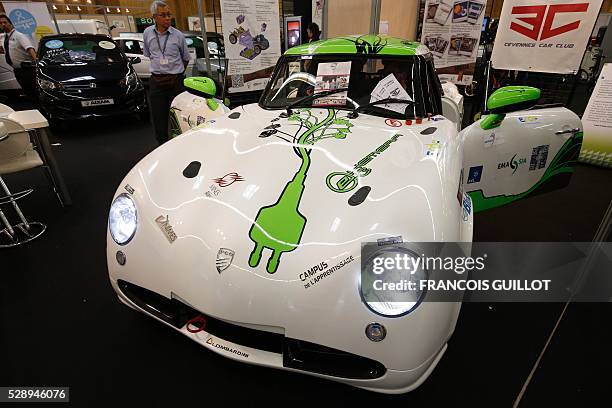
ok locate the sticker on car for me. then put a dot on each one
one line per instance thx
(107, 45)
(54, 44)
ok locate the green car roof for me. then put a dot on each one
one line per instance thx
(360, 44)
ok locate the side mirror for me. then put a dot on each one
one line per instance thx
(135, 60)
(513, 98)
(509, 99)
(202, 86)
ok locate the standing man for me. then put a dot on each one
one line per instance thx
(17, 49)
(167, 49)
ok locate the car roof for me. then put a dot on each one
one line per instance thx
(369, 44)
(98, 37)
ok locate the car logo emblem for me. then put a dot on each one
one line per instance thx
(164, 224)
(224, 259)
(228, 179)
(92, 85)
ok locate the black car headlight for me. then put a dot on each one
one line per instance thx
(122, 219)
(47, 85)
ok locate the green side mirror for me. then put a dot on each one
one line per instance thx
(513, 98)
(508, 99)
(201, 85)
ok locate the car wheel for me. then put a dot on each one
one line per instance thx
(232, 39)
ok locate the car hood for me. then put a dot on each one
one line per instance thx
(74, 73)
(245, 185)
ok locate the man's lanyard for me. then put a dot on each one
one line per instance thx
(163, 51)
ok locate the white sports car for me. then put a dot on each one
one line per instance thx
(245, 234)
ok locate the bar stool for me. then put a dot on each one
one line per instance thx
(16, 154)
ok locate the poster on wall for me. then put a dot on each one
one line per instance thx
(317, 13)
(544, 35)
(597, 122)
(451, 31)
(251, 33)
(31, 19)
(194, 23)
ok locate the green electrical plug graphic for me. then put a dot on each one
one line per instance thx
(279, 227)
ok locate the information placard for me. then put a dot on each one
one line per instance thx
(451, 31)
(597, 122)
(251, 33)
(544, 35)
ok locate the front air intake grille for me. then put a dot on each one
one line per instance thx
(306, 356)
(178, 314)
(297, 354)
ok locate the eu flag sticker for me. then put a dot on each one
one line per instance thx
(474, 174)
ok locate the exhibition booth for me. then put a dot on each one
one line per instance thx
(353, 202)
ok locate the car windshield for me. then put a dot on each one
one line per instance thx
(79, 50)
(366, 79)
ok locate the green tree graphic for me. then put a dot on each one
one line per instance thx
(279, 227)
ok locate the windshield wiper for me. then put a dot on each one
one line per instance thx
(353, 114)
(313, 97)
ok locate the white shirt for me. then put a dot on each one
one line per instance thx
(19, 43)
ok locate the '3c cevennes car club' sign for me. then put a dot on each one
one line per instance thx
(544, 35)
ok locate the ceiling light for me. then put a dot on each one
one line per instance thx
(127, 10)
(54, 8)
(107, 10)
(67, 7)
(118, 10)
(78, 8)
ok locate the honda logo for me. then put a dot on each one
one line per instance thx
(540, 23)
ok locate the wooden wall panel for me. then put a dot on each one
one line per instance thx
(401, 16)
(347, 17)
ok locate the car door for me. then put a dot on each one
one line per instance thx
(526, 152)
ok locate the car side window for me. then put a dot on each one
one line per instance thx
(132, 46)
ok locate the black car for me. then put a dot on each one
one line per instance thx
(86, 75)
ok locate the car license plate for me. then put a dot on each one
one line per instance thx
(98, 102)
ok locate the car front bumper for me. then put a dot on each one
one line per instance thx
(59, 107)
(275, 350)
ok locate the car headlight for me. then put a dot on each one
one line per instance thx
(385, 288)
(49, 85)
(130, 80)
(122, 219)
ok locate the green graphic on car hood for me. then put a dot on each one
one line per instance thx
(279, 227)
